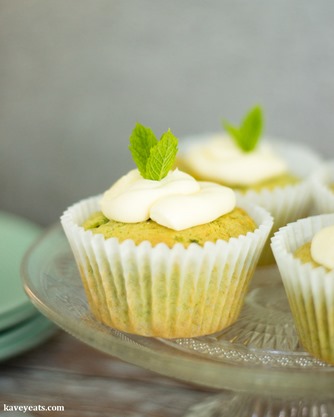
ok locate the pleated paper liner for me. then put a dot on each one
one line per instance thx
(310, 290)
(160, 291)
(292, 202)
(323, 188)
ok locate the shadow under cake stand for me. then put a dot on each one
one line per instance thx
(257, 362)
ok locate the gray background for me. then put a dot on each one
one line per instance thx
(75, 76)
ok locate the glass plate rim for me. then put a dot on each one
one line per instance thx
(181, 365)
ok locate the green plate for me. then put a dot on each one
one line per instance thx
(16, 235)
(24, 336)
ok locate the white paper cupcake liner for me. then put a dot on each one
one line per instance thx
(288, 203)
(160, 291)
(310, 290)
(322, 195)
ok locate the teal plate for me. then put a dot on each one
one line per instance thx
(25, 336)
(16, 235)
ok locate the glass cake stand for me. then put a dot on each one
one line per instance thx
(257, 362)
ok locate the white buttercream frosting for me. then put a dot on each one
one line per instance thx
(322, 247)
(220, 159)
(183, 211)
(177, 201)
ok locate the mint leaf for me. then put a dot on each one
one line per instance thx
(153, 158)
(162, 157)
(249, 132)
(251, 129)
(232, 130)
(142, 139)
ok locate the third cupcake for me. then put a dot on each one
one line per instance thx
(304, 251)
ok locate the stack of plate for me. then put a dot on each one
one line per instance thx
(21, 325)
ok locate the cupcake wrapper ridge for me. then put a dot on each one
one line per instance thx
(310, 290)
(286, 204)
(322, 196)
(160, 291)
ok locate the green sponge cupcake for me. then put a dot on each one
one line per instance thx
(165, 257)
(274, 174)
(309, 281)
(233, 224)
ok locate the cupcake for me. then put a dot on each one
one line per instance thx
(161, 254)
(304, 252)
(273, 174)
(323, 188)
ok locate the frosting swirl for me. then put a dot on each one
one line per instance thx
(177, 201)
(322, 247)
(220, 159)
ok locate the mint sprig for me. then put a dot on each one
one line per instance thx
(248, 133)
(142, 140)
(154, 158)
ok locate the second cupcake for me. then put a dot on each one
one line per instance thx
(272, 173)
(323, 188)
